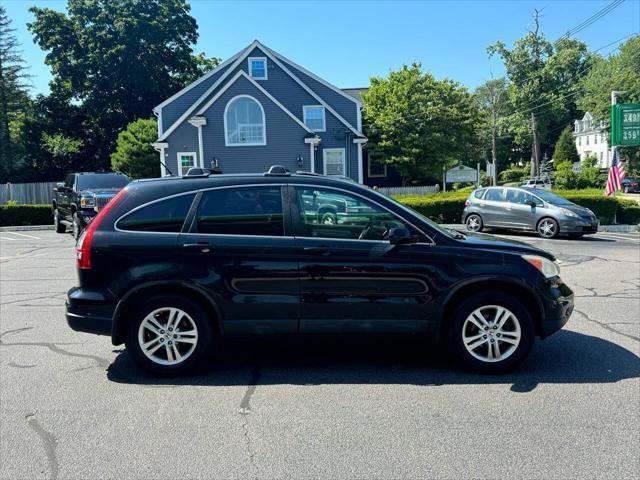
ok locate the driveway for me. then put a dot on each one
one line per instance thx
(73, 407)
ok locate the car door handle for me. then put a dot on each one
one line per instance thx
(203, 246)
(317, 250)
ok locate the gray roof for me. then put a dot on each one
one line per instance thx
(356, 92)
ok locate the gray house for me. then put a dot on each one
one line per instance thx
(258, 109)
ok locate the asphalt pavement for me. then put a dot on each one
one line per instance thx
(72, 406)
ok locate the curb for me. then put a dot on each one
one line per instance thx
(26, 228)
(601, 228)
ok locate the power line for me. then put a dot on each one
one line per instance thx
(592, 19)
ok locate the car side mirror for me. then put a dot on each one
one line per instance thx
(401, 236)
(59, 187)
(532, 203)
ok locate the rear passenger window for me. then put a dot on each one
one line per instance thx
(495, 194)
(478, 193)
(241, 211)
(163, 216)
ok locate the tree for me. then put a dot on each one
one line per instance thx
(13, 95)
(134, 155)
(544, 80)
(492, 97)
(118, 59)
(566, 150)
(420, 125)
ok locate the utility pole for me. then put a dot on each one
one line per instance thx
(535, 148)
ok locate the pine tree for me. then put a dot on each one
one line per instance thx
(12, 90)
(565, 150)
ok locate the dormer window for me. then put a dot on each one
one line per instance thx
(258, 68)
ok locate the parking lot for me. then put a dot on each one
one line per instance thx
(74, 406)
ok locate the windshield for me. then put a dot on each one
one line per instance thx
(86, 182)
(547, 196)
(438, 228)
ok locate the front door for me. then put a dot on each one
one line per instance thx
(351, 278)
(518, 210)
(241, 252)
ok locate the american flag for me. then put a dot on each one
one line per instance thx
(616, 175)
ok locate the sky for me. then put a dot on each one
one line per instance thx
(347, 42)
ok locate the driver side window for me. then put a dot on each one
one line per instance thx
(333, 214)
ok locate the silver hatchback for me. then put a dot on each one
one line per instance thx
(527, 209)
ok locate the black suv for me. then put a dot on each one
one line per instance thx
(81, 196)
(170, 266)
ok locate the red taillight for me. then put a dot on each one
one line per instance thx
(83, 248)
(467, 203)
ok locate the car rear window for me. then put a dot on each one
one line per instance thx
(102, 181)
(241, 211)
(163, 216)
(479, 193)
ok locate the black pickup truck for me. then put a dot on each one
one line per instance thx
(82, 195)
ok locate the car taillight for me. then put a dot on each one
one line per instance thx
(467, 203)
(83, 247)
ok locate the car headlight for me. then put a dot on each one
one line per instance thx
(568, 213)
(548, 268)
(87, 202)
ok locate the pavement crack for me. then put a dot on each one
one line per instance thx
(245, 410)
(15, 330)
(606, 326)
(15, 365)
(49, 443)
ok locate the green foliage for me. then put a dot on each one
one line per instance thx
(628, 213)
(514, 174)
(565, 177)
(117, 60)
(566, 150)
(440, 207)
(60, 146)
(134, 155)
(420, 125)
(12, 215)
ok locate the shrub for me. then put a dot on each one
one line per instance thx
(14, 215)
(514, 174)
(441, 207)
(628, 212)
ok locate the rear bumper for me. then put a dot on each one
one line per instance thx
(90, 311)
(558, 307)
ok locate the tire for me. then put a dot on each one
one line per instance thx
(77, 229)
(474, 223)
(161, 362)
(518, 327)
(328, 218)
(548, 228)
(60, 227)
(576, 236)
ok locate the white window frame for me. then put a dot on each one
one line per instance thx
(370, 175)
(266, 74)
(195, 161)
(264, 124)
(344, 160)
(324, 117)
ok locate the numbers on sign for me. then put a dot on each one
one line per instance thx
(631, 117)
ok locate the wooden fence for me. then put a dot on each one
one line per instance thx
(27, 193)
(423, 190)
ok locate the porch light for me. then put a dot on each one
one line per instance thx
(300, 161)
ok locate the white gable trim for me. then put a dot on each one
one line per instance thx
(197, 82)
(314, 76)
(195, 104)
(242, 74)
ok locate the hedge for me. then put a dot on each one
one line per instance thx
(448, 207)
(13, 215)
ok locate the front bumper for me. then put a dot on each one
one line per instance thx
(578, 225)
(90, 311)
(558, 306)
(86, 215)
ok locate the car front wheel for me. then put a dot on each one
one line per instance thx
(169, 335)
(474, 223)
(60, 227)
(548, 228)
(77, 228)
(491, 332)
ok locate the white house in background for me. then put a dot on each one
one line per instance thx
(591, 140)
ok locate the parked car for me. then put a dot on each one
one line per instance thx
(543, 184)
(81, 196)
(171, 266)
(527, 209)
(631, 185)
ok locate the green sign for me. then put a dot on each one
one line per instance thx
(625, 124)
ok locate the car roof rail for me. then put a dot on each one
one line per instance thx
(277, 171)
(310, 174)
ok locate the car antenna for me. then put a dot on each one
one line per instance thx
(166, 168)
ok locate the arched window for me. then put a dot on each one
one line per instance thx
(244, 122)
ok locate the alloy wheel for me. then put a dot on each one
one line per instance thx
(168, 336)
(473, 223)
(491, 333)
(547, 228)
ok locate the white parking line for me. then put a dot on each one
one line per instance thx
(7, 238)
(24, 235)
(632, 239)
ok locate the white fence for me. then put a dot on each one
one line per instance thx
(423, 190)
(27, 193)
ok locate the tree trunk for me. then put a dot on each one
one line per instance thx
(494, 152)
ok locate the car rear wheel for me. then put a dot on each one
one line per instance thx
(60, 227)
(169, 335)
(491, 332)
(548, 228)
(474, 223)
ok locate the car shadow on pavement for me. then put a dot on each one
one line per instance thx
(566, 357)
(533, 235)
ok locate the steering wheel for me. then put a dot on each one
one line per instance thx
(367, 228)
